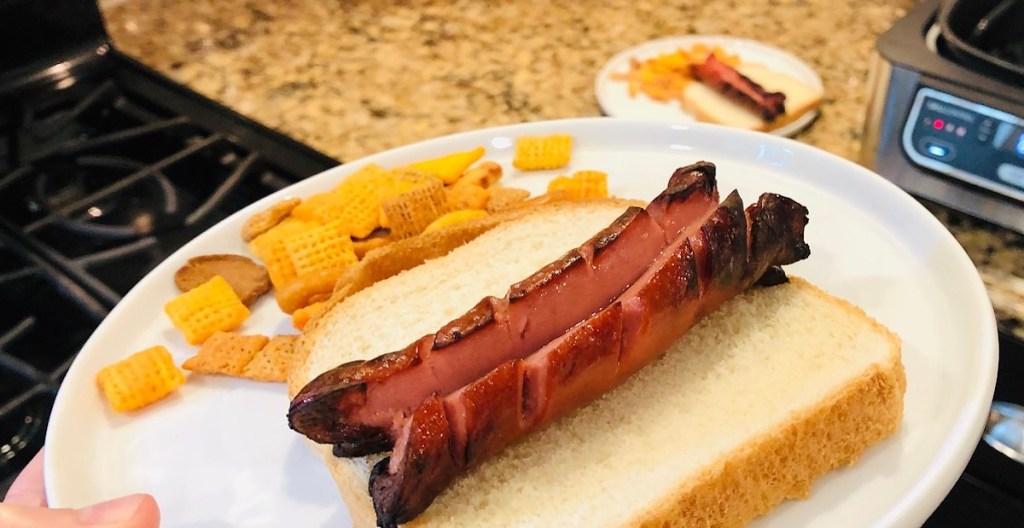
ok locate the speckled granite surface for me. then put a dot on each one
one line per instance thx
(355, 77)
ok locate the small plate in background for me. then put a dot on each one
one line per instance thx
(615, 101)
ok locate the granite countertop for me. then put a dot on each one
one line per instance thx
(356, 77)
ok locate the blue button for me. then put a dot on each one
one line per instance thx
(934, 148)
(1020, 145)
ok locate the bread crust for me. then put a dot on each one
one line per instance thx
(753, 478)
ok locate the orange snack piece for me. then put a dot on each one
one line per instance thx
(264, 221)
(410, 212)
(355, 201)
(269, 247)
(140, 379)
(583, 185)
(542, 152)
(455, 217)
(302, 316)
(308, 289)
(208, 308)
(468, 196)
(485, 174)
(273, 361)
(320, 248)
(449, 167)
(504, 198)
(226, 353)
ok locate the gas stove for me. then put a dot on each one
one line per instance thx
(106, 168)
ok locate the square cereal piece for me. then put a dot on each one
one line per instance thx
(321, 248)
(226, 353)
(269, 247)
(331, 205)
(583, 185)
(590, 184)
(272, 363)
(140, 379)
(542, 152)
(208, 308)
(410, 213)
(355, 201)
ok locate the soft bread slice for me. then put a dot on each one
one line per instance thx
(712, 107)
(774, 389)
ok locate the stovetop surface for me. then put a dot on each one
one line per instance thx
(106, 168)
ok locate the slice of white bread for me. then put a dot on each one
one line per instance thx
(771, 391)
(712, 107)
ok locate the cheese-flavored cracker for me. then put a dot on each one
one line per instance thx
(226, 353)
(273, 361)
(206, 309)
(140, 379)
(542, 152)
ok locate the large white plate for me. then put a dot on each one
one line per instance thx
(614, 99)
(219, 453)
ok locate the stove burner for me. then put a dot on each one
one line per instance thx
(152, 202)
(106, 168)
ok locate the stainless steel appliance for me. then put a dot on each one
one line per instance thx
(946, 119)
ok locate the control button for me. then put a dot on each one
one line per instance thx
(1012, 174)
(985, 130)
(937, 149)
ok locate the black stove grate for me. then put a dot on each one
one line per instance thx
(45, 317)
(106, 168)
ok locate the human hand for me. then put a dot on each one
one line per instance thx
(25, 507)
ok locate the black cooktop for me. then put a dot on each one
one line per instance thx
(106, 168)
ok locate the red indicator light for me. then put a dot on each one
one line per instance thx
(938, 124)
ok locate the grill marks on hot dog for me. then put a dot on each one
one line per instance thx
(699, 271)
(361, 406)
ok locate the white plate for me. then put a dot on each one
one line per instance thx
(219, 453)
(615, 101)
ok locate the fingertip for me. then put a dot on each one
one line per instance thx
(27, 489)
(131, 511)
(148, 515)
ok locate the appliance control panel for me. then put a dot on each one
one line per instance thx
(969, 141)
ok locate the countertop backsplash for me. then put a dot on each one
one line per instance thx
(352, 78)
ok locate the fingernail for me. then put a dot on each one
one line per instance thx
(112, 511)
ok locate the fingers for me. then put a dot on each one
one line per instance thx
(27, 489)
(132, 511)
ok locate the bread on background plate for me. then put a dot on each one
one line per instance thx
(712, 107)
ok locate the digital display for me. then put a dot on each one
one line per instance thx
(974, 143)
